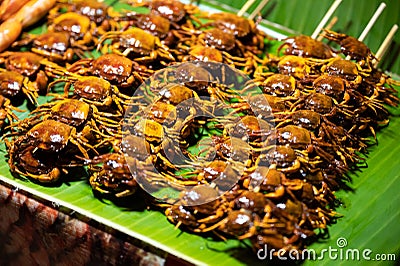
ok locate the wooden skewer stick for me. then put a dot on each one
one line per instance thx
(244, 8)
(372, 21)
(328, 27)
(385, 45)
(326, 18)
(258, 9)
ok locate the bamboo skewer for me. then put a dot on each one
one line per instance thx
(245, 7)
(372, 21)
(328, 27)
(385, 45)
(382, 49)
(258, 9)
(325, 19)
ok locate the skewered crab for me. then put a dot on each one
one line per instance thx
(198, 209)
(219, 174)
(96, 11)
(175, 94)
(206, 203)
(262, 104)
(116, 69)
(111, 175)
(164, 151)
(361, 97)
(242, 217)
(238, 223)
(173, 10)
(324, 105)
(31, 152)
(50, 136)
(215, 38)
(231, 149)
(277, 84)
(243, 29)
(204, 79)
(266, 180)
(367, 96)
(152, 135)
(346, 144)
(307, 145)
(95, 91)
(198, 53)
(157, 25)
(136, 43)
(89, 122)
(349, 45)
(79, 28)
(298, 67)
(305, 46)
(28, 64)
(345, 69)
(333, 86)
(180, 215)
(30, 162)
(380, 84)
(150, 169)
(56, 46)
(13, 85)
(250, 128)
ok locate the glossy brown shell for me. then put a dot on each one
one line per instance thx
(25, 63)
(71, 111)
(307, 119)
(279, 85)
(172, 10)
(319, 103)
(50, 135)
(52, 42)
(305, 46)
(219, 39)
(92, 88)
(74, 24)
(333, 86)
(10, 83)
(113, 67)
(295, 136)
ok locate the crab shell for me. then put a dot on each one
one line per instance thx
(50, 135)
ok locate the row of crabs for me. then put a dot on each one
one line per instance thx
(323, 106)
(55, 131)
(150, 40)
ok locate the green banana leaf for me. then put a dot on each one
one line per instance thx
(371, 214)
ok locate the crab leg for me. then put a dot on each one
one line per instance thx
(328, 27)
(370, 24)
(106, 36)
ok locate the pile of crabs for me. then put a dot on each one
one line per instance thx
(278, 152)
